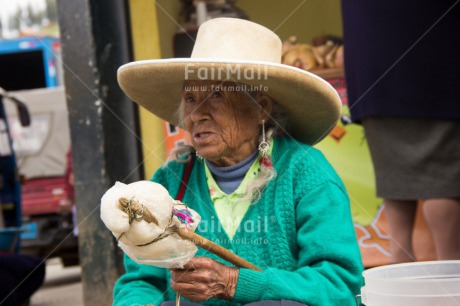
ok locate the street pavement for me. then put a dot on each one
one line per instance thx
(62, 286)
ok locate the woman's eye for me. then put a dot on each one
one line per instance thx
(216, 94)
(189, 99)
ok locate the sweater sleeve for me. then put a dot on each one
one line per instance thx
(140, 285)
(329, 261)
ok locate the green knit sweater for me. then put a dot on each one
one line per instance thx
(300, 233)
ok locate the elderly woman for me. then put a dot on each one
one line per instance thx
(262, 191)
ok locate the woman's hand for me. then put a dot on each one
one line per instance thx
(203, 278)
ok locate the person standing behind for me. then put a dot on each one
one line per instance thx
(402, 63)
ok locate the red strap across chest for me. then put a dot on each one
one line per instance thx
(185, 178)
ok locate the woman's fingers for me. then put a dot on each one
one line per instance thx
(194, 276)
(203, 278)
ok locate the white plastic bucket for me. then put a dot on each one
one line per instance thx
(420, 284)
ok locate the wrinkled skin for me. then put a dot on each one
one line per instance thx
(203, 278)
(224, 125)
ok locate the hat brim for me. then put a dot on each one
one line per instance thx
(312, 104)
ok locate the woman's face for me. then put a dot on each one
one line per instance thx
(224, 125)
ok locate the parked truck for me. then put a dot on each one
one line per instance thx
(30, 71)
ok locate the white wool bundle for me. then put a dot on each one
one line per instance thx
(146, 242)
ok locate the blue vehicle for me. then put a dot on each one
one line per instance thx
(29, 63)
(38, 203)
(25, 63)
(10, 186)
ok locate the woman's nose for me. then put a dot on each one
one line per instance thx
(200, 110)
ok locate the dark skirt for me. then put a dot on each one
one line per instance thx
(20, 276)
(415, 158)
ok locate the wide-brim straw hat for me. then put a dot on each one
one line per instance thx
(236, 50)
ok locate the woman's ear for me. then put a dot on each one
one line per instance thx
(265, 103)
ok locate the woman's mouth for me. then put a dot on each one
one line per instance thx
(200, 137)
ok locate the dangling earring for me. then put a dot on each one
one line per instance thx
(264, 148)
